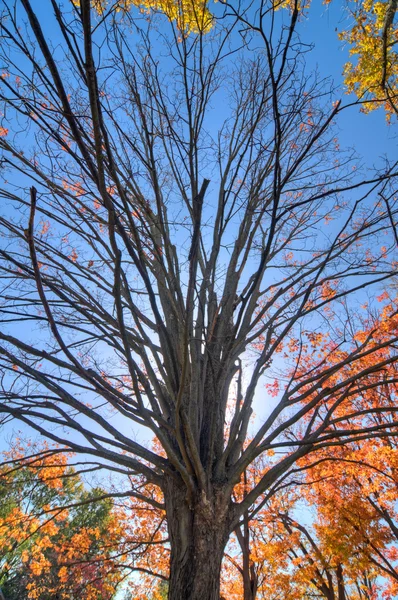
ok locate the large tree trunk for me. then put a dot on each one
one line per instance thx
(198, 536)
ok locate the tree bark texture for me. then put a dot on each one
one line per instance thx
(199, 532)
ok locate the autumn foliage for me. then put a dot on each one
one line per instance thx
(188, 245)
(190, 16)
(59, 538)
(332, 529)
(373, 72)
(55, 541)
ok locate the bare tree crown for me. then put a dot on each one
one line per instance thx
(175, 208)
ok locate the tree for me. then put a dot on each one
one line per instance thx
(344, 547)
(58, 540)
(372, 37)
(349, 548)
(356, 513)
(174, 250)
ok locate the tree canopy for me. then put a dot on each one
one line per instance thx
(57, 539)
(184, 242)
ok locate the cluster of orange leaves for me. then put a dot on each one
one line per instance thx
(40, 540)
(57, 550)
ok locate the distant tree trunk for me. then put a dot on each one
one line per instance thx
(250, 578)
(340, 583)
(250, 583)
(198, 536)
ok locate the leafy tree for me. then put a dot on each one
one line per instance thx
(344, 547)
(372, 38)
(57, 539)
(371, 35)
(354, 495)
(176, 251)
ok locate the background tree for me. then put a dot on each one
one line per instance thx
(330, 533)
(356, 513)
(58, 540)
(372, 38)
(345, 547)
(177, 248)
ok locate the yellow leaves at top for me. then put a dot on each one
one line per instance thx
(190, 16)
(292, 4)
(374, 75)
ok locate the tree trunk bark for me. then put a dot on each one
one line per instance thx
(340, 583)
(250, 583)
(198, 536)
(250, 579)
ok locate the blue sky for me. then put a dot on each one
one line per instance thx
(368, 133)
